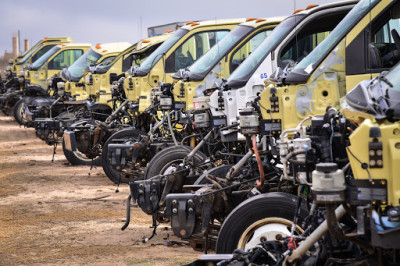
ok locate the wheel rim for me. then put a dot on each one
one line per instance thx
(267, 229)
(170, 167)
(22, 112)
(83, 157)
(78, 154)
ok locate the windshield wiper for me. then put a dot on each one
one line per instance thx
(181, 74)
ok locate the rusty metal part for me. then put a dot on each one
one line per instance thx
(223, 194)
(97, 133)
(197, 243)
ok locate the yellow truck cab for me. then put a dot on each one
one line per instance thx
(98, 82)
(36, 52)
(99, 54)
(365, 43)
(376, 140)
(53, 61)
(179, 51)
(222, 59)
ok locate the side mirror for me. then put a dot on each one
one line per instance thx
(275, 75)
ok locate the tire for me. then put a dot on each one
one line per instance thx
(272, 212)
(77, 158)
(166, 158)
(18, 112)
(111, 173)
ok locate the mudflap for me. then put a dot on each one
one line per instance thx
(147, 194)
(182, 208)
(117, 155)
(69, 140)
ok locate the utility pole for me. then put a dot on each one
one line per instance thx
(141, 37)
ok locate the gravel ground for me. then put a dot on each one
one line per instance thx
(48, 214)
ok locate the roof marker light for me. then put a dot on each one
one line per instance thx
(250, 19)
(297, 11)
(98, 46)
(259, 20)
(310, 6)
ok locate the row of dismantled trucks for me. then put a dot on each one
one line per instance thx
(237, 93)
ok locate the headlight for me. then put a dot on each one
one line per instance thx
(87, 79)
(60, 92)
(49, 81)
(21, 79)
(60, 85)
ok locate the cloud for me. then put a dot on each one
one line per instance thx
(118, 20)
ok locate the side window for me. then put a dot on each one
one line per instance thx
(245, 50)
(41, 52)
(304, 45)
(64, 59)
(192, 49)
(310, 35)
(127, 62)
(382, 47)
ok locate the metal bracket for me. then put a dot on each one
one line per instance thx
(146, 194)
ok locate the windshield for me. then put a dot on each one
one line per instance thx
(311, 61)
(209, 59)
(394, 77)
(43, 59)
(247, 68)
(157, 54)
(28, 55)
(392, 94)
(29, 50)
(104, 65)
(107, 63)
(76, 70)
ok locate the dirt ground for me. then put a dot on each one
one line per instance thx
(48, 215)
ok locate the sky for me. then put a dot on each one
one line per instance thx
(101, 21)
